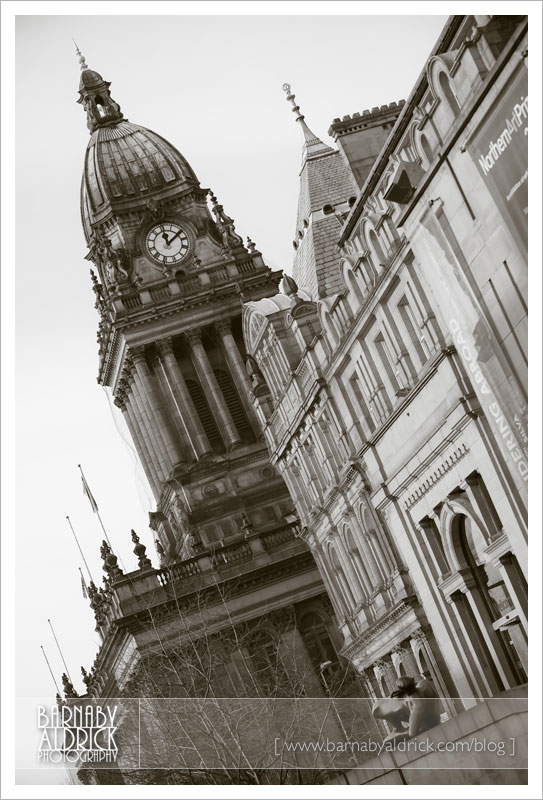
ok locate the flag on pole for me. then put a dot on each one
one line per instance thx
(87, 491)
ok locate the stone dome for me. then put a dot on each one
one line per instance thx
(89, 78)
(124, 165)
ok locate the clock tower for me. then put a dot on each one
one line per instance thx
(170, 274)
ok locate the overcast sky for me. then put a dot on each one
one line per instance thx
(212, 87)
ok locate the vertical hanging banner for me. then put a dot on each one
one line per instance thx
(500, 150)
(495, 387)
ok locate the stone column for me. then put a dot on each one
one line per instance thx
(380, 546)
(178, 428)
(373, 569)
(482, 505)
(476, 651)
(428, 529)
(183, 399)
(511, 573)
(212, 390)
(237, 370)
(480, 611)
(329, 583)
(157, 413)
(346, 562)
(155, 449)
(121, 401)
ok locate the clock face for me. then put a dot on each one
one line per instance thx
(167, 243)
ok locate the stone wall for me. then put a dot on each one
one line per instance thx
(498, 719)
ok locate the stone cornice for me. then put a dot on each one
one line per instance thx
(376, 630)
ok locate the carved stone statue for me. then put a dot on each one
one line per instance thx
(412, 709)
(185, 526)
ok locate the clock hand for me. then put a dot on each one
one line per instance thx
(175, 236)
(165, 237)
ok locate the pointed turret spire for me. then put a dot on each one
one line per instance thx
(313, 146)
(326, 184)
(94, 95)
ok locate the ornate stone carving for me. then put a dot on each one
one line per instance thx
(154, 211)
(140, 551)
(193, 336)
(164, 346)
(111, 566)
(225, 226)
(69, 690)
(223, 326)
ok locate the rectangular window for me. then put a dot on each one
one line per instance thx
(360, 403)
(388, 362)
(414, 331)
(377, 394)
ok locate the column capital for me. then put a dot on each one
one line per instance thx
(120, 399)
(127, 367)
(138, 354)
(223, 326)
(165, 346)
(193, 336)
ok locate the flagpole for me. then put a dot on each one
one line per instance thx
(104, 530)
(83, 585)
(94, 504)
(79, 546)
(50, 670)
(59, 650)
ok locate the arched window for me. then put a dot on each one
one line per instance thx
(100, 105)
(360, 568)
(495, 626)
(386, 691)
(375, 246)
(348, 597)
(447, 92)
(426, 149)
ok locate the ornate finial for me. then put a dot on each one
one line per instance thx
(313, 146)
(105, 550)
(225, 224)
(290, 98)
(68, 686)
(111, 567)
(81, 57)
(86, 677)
(251, 246)
(140, 550)
(289, 286)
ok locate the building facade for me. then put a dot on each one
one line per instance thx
(393, 374)
(339, 464)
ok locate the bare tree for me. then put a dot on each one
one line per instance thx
(209, 701)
